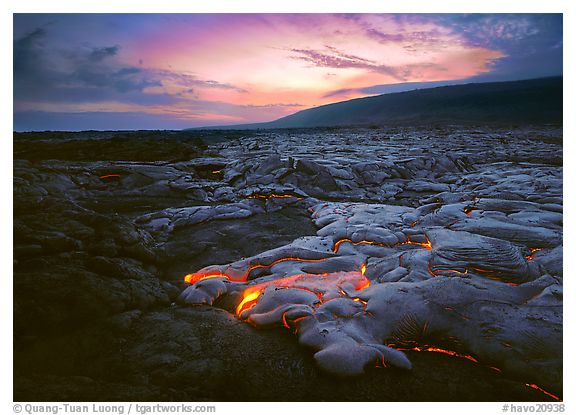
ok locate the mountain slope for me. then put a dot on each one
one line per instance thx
(535, 100)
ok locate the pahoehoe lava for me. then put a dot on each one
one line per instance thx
(321, 264)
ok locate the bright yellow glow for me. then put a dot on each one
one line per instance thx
(248, 301)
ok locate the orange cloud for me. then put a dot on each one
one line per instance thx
(287, 58)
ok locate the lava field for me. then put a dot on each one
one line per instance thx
(373, 264)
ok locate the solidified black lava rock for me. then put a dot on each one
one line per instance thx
(458, 232)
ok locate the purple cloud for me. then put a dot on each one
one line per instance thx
(338, 60)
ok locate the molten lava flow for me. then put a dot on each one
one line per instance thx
(198, 276)
(430, 270)
(363, 302)
(194, 278)
(427, 244)
(294, 322)
(284, 322)
(533, 253)
(249, 300)
(427, 348)
(108, 176)
(318, 284)
(492, 275)
(364, 285)
(538, 388)
(450, 353)
(468, 210)
(341, 241)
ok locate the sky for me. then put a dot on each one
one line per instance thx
(174, 71)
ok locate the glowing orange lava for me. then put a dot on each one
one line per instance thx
(193, 278)
(538, 388)
(493, 275)
(341, 241)
(198, 276)
(427, 244)
(315, 283)
(468, 210)
(318, 284)
(108, 176)
(249, 300)
(364, 285)
(427, 348)
(531, 256)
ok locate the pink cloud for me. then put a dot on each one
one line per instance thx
(240, 67)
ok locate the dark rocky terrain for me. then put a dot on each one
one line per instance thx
(440, 249)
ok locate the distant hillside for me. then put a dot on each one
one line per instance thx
(529, 101)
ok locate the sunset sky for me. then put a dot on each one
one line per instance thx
(163, 71)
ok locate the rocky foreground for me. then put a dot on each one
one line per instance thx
(400, 264)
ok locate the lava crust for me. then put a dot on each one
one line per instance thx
(357, 264)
